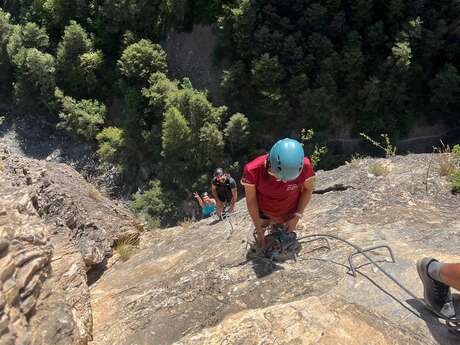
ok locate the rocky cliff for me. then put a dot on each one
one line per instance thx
(54, 227)
(195, 283)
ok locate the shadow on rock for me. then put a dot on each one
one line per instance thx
(261, 265)
(436, 326)
(214, 222)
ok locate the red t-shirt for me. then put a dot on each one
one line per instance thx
(277, 199)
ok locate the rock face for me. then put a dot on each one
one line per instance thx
(63, 198)
(191, 55)
(51, 232)
(195, 285)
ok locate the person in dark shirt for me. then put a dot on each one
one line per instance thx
(223, 188)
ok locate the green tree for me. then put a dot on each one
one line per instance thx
(445, 88)
(140, 60)
(84, 117)
(152, 204)
(157, 93)
(266, 73)
(175, 138)
(29, 35)
(35, 78)
(90, 64)
(211, 144)
(197, 109)
(237, 131)
(402, 54)
(5, 65)
(59, 12)
(77, 62)
(111, 144)
(233, 79)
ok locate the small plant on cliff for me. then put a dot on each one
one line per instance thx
(93, 193)
(456, 151)
(355, 160)
(447, 160)
(2, 119)
(126, 247)
(455, 176)
(379, 169)
(455, 179)
(307, 135)
(385, 145)
(186, 223)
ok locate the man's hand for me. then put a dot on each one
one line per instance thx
(292, 223)
(231, 209)
(196, 195)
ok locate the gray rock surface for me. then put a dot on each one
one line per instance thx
(63, 198)
(191, 55)
(53, 227)
(194, 285)
(44, 298)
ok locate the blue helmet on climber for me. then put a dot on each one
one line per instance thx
(286, 159)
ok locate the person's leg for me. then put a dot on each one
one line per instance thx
(220, 207)
(265, 220)
(448, 274)
(436, 292)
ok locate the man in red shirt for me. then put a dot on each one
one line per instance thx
(278, 186)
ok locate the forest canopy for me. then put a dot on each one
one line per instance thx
(373, 66)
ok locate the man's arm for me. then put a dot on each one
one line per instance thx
(305, 197)
(307, 191)
(234, 198)
(200, 201)
(253, 208)
(214, 194)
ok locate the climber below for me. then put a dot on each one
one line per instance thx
(223, 188)
(207, 204)
(278, 187)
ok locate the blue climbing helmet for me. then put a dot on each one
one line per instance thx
(286, 159)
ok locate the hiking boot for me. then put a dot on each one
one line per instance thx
(436, 294)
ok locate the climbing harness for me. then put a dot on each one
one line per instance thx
(278, 245)
(281, 245)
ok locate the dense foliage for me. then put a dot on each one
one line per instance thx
(372, 65)
(98, 70)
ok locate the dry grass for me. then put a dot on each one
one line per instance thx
(139, 227)
(355, 161)
(379, 169)
(126, 247)
(186, 223)
(446, 165)
(447, 160)
(93, 193)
